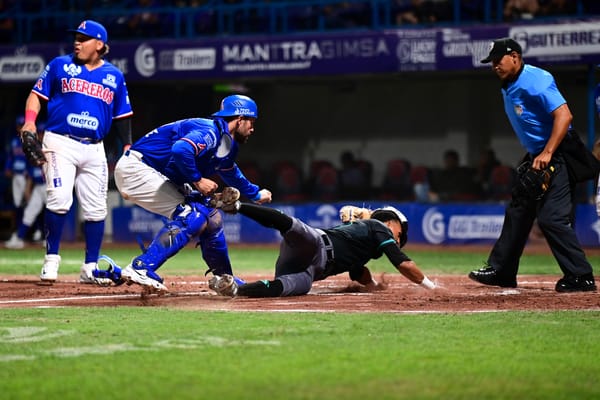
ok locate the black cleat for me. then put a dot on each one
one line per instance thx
(489, 276)
(568, 284)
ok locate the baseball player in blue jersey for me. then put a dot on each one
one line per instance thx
(84, 95)
(16, 169)
(159, 170)
(541, 118)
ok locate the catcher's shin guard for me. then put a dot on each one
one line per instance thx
(175, 235)
(214, 247)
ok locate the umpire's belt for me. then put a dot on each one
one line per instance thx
(327, 244)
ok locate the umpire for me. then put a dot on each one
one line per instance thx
(541, 119)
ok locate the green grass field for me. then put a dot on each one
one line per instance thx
(157, 352)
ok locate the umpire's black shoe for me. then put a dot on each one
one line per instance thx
(489, 276)
(584, 283)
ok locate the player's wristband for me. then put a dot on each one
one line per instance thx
(30, 116)
(426, 283)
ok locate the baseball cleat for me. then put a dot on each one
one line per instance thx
(143, 277)
(489, 276)
(570, 284)
(50, 268)
(224, 285)
(92, 274)
(227, 200)
(14, 242)
(86, 275)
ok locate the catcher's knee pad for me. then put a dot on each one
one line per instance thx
(194, 217)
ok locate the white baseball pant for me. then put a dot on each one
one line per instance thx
(145, 186)
(73, 164)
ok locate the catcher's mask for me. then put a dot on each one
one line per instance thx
(390, 213)
(237, 104)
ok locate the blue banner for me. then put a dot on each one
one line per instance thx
(436, 49)
(443, 224)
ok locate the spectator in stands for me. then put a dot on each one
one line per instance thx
(520, 9)
(406, 12)
(7, 23)
(421, 11)
(487, 163)
(354, 182)
(453, 182)
(557, 7)
(146, 22)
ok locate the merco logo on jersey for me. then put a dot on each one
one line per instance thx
(83, 121)
(87, 88)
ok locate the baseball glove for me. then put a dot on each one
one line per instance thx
(352, 213)
(532, 183)
(32, 147)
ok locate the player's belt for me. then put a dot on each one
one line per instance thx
(135, 154)
(84, 140)
(328, 245)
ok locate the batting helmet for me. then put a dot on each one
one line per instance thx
(388, 213)
(237, 104)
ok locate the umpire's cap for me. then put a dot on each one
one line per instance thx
(92, 29)
(501, 47)
(237, 104)
(389, 213)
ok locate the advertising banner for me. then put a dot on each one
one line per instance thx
(443, 224)
(323, 54)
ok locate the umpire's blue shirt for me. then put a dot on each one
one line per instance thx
(529, 102)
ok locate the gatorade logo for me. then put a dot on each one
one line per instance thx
(434, 228)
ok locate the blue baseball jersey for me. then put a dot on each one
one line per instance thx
(82, 103)
(16, 161)
(187, 150)
(529, 102)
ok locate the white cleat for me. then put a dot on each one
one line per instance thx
(140, 276)
(14, 242)
(86, 275)
(50, 268)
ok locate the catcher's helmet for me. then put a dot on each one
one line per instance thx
(388, 213)
(237, 104)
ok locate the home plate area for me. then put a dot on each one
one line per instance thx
(335, 294)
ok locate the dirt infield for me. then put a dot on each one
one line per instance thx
(336, 294)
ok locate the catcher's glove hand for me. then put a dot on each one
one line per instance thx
(32, 147)
(352, 213)
(532, 183)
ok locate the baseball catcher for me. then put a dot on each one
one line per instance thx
(32, 147)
